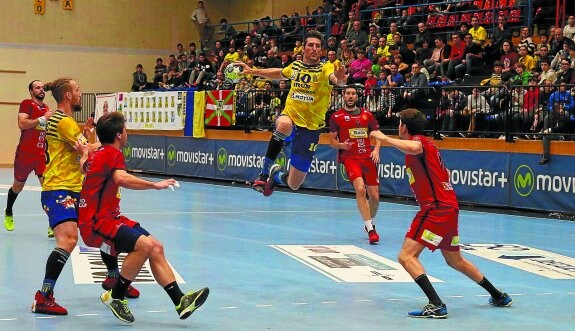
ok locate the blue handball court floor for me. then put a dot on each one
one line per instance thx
(293, 261)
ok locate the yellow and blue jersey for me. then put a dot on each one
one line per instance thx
(62, 168)
(309, 94)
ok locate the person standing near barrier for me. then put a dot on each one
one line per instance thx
(61, 192)
(436, 224)
(102, 225)
(349, 130)
(32, 119)
(303, 116)
(201, 19)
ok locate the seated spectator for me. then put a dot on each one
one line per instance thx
(423, 53)
(526, 41)
(526, 59)
(564, 53)
(455, 57)
(139, 79)
(565, 74)
(508, 57)
(523, 76)
(359, 68)
(546, 72)
(440, 53)
(371, 51)
(543, 55)
(232, 55)
(227, 31)
(203, 70)
(298, 48)
(383, 49)
(394, 79)
(478, 33)
(272, 61)
(473, 57)
(357, 37)
(501, 33)
(476, 108)
(416, 96)
(159, 70)
(522, 120)
(569, 28)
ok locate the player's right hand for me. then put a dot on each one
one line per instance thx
(164, 184)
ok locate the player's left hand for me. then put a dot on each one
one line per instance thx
(341, 75)
(164, 184)
(375, 156)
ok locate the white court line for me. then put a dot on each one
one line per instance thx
(8, 319)
(263, 306)
(222, 308)
(299, 303)
(157, 311)
(87, 314)
(329, 302)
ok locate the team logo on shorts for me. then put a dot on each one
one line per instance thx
(67, 202)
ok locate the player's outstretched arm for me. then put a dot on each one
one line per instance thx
(270, 73)
(124, 179)
(339, 76)
(412, 147)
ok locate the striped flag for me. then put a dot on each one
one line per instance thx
(220, 108)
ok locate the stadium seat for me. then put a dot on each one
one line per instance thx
(431, 21)
(465, 18)
(452, 21)
(488, 18)
(441, 21)
(514, 16)
(411, 10)
(478, 4)
(487, 5)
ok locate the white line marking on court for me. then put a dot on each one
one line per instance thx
(7, 319)
(157, 311)
(545, 293)
(394, 299)
(365, 300)
(299, 303)
(44, 317)
(329, 302)
(455, 296)
(87, 314)
(229, 307)
(263, 306)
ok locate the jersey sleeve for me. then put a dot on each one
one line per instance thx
(373, 125)
(287, 71)
(25, 108)
(333, 126)
(327, 70)
(118, 162)
(70, 132)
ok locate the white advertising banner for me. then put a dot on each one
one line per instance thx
(153, 110)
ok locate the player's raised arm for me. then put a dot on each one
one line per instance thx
(270, 73)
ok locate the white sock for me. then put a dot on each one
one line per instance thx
(368, 225)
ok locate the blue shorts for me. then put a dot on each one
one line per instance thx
(60, 205)
(303, 148)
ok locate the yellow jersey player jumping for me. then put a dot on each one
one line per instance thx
(303, 116)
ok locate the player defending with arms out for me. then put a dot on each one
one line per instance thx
(349, 130)
(303, 116)
(102, 225)
(61, 192)
(436, 223)
(32, 119)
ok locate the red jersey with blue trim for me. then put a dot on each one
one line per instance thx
(100, 196)
(356, 129)
(33, 140)
(428, 176)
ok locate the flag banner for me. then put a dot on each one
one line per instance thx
(153, 110)
(220, 107)
(199, 111)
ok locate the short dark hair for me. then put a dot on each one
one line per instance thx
(110, 125)
(414, 120)
(314, 34)
(31, 85)
(139, 65)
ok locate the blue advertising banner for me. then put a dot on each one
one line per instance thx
(391, 171)
(146, 153)
(239, 160)
(542, 187)
(190, 157)
(323, 171)
(480, 177)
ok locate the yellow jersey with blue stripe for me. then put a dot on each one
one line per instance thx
(309, 94)
(63, 161)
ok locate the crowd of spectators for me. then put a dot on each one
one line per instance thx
(400, 61)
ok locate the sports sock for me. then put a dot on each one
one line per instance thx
(275, 146)
(490, 288)
(174, 292)
(10, 201)
(111, 263)
(54, 266)
(428, 289)
(119, 290)
(368, 225)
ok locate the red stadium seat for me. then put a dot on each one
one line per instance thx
(487, 4)
(465, 18)
(478, 4)
(514, 16)
(411, 10)
(431, 21)
(452, 21)
(488, 18)
(441, 21)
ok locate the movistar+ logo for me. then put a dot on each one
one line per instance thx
(524, 180)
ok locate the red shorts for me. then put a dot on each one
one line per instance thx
(24, 165)
(436, 228)
(103, 231)
(356, 168)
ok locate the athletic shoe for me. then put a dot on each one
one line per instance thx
(118, 307)
(131, 292)
(430, 311)
(373, 236)
(47, 305)
(8, 222)
(192, 301)
(504, 301)
(260, 182)
(271, 184)
(50, 232)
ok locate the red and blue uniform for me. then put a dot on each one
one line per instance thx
(30, 155)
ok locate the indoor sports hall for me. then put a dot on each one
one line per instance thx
(294, 262)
